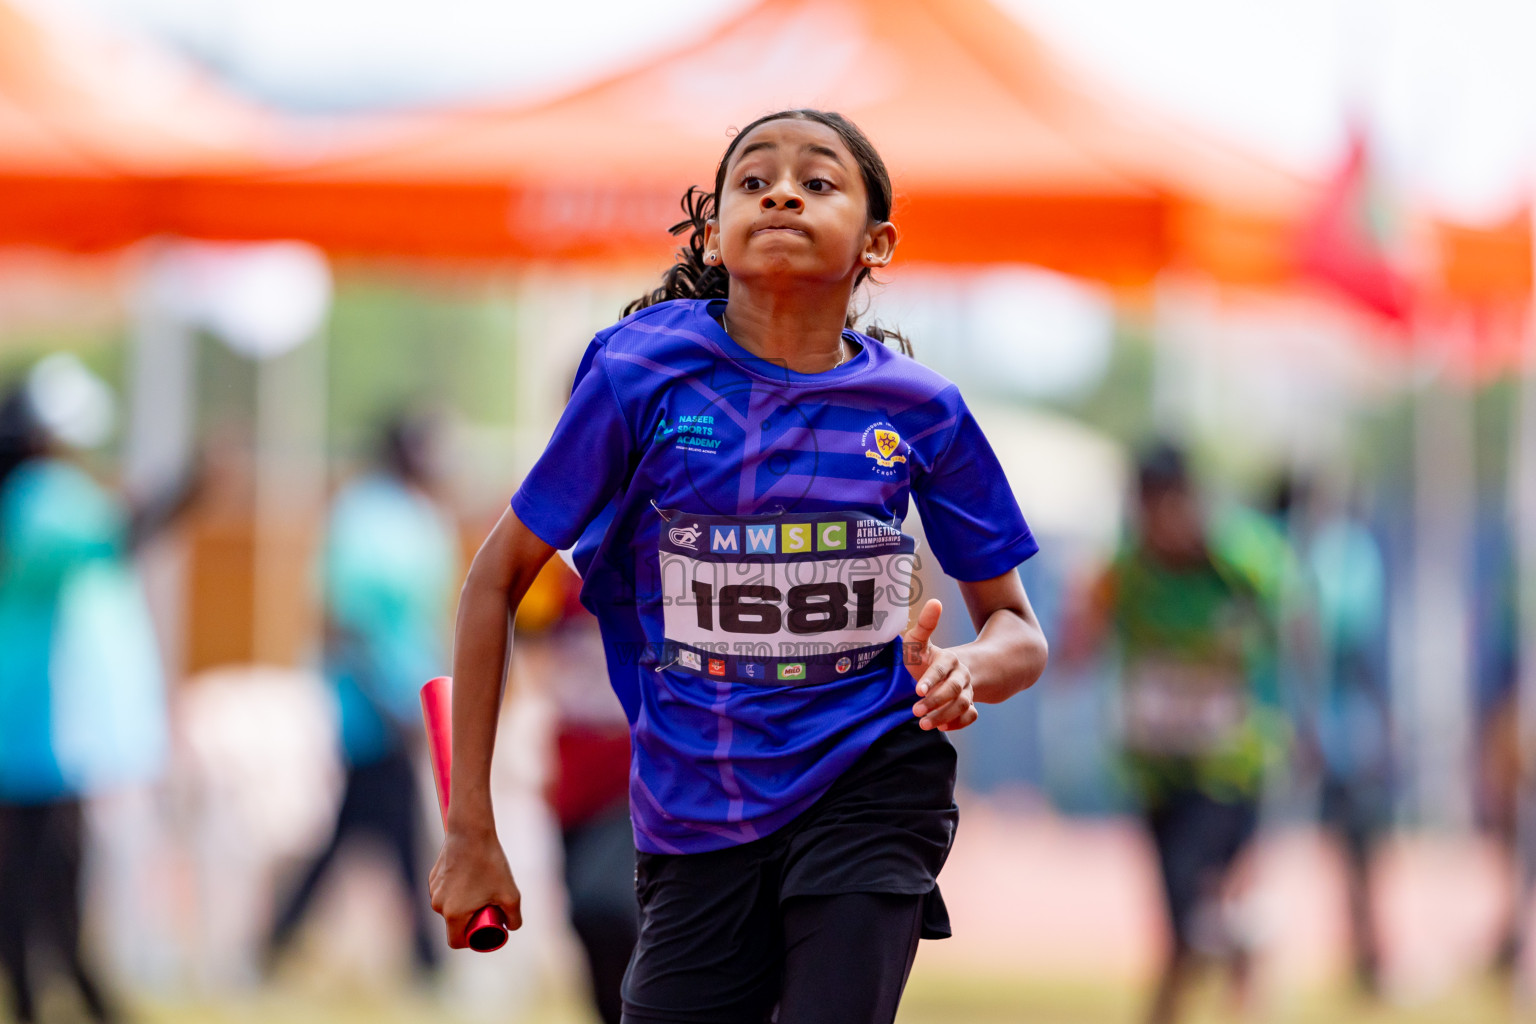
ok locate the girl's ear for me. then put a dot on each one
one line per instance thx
(880, 245)
(712, 241)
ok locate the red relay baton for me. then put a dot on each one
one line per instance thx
(488, 928)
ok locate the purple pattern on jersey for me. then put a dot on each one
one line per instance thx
(670, 417)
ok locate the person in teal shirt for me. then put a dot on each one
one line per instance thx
(388, 566)
(54, 520)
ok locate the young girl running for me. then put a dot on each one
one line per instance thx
(732, 473)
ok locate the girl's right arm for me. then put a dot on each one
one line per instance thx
(472, 871)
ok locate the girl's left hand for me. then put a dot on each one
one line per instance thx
(943, 680)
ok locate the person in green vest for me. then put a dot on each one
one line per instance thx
(1191, 607)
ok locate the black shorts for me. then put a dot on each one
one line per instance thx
(712, 924)
(1198, 839)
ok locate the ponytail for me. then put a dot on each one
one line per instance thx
(690, 277)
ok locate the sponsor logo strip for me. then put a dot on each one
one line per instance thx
(797, 670)
(833, 535)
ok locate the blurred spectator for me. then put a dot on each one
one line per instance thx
(389, 564)
(53, 518)
(1505, 791)
(589, 790)
(1193, 614)
(81, 694)
(1346, 725)
(1505, 796)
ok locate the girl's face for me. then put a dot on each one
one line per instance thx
(793, 207)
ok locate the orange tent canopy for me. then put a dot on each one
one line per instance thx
(998, 152)
(98, 134)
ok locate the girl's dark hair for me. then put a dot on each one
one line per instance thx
(691, 278)
(403, 447)
(1160, 467)
(22, 434)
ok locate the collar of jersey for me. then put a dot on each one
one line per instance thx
(709, 311)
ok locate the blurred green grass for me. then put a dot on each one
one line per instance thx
(930, 999)
(933, 999)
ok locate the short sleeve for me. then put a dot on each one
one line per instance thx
(588, 460)
(54, 519)
(971, 519)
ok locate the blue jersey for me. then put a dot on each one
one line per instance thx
(738, 530)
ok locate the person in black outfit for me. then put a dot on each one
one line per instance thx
(388, 565)
(54, 522)
(40, 853)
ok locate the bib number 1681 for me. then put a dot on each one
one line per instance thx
(808, 608)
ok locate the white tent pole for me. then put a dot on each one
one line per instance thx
(1443, 513)
(290, 489)
(159, 424)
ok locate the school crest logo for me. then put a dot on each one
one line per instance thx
(843, 664)
(883, 444)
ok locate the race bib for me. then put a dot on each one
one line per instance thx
(782, 600)
(1177, 709)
